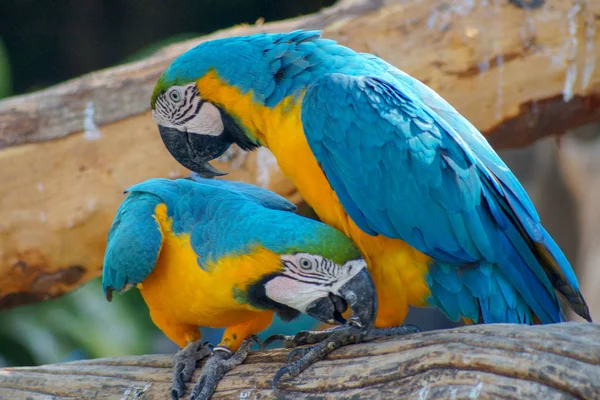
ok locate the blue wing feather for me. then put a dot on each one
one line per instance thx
(505, 183)
(134, 242)
(440, 187)
(135, 238)
(227, 218)
(264, 197)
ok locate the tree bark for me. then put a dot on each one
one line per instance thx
(501, 361)
(519, 70)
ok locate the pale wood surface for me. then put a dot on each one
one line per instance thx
(477, 362)
(67, 153)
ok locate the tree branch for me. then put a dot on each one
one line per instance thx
(560, 361)
(517, 71)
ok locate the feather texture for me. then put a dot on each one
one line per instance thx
(223, 219)
(406, 165)
(436, 193)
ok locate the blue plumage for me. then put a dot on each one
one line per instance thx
(439, 185)
(473, 229)
(222, 217)
(134, 241)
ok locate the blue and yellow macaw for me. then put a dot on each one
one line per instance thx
(219, 254)
(439, 217)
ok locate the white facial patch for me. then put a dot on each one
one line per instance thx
(182, 108)
(208, 121)
(295, 294)
(307, 278)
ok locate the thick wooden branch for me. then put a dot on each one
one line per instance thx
(518, 70)
(477, 362)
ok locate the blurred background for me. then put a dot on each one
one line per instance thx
(43, 43)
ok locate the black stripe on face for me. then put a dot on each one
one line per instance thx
(180, 107)
(313, 277)
(196, 111)
(307, 279)
(180, 110)
(319, 283)
(160, 104)
(182, 113)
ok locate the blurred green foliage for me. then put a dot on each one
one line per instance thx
(78, 325)
(5, 77)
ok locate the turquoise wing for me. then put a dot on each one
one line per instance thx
(134, 242)
(226, 217)
(264, 197)
(445, 193)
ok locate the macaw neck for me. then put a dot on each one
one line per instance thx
(254, 118)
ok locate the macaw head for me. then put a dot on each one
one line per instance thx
(203, 101)
(320, 283)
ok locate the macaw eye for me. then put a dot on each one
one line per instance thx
(175, 95)
(305, 263)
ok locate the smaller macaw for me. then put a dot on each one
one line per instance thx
(221, 254)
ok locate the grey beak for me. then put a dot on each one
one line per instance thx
(361, 296)
(358, 293)
(194, 151)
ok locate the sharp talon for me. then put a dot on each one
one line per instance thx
(184, 364)
(198, 387)
(297, 353)
(222, 360)
(278, 376)
(257, 340)
(273, 338)
(181, 381)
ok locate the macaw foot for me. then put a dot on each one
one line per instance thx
(327, 341)
(184, 364)
(222, 361)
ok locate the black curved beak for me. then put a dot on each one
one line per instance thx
(358, 293)
(194, 151)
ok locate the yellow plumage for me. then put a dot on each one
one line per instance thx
(397, 269)
(182, 296)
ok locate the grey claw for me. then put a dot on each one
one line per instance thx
(298, 352)
(184, 363)
(278, 376)
(332, 340)
(177, 391)
(273, 338)
(258, 342)
(222, 361)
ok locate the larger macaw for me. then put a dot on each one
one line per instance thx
(439, 217)
(229, 255)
